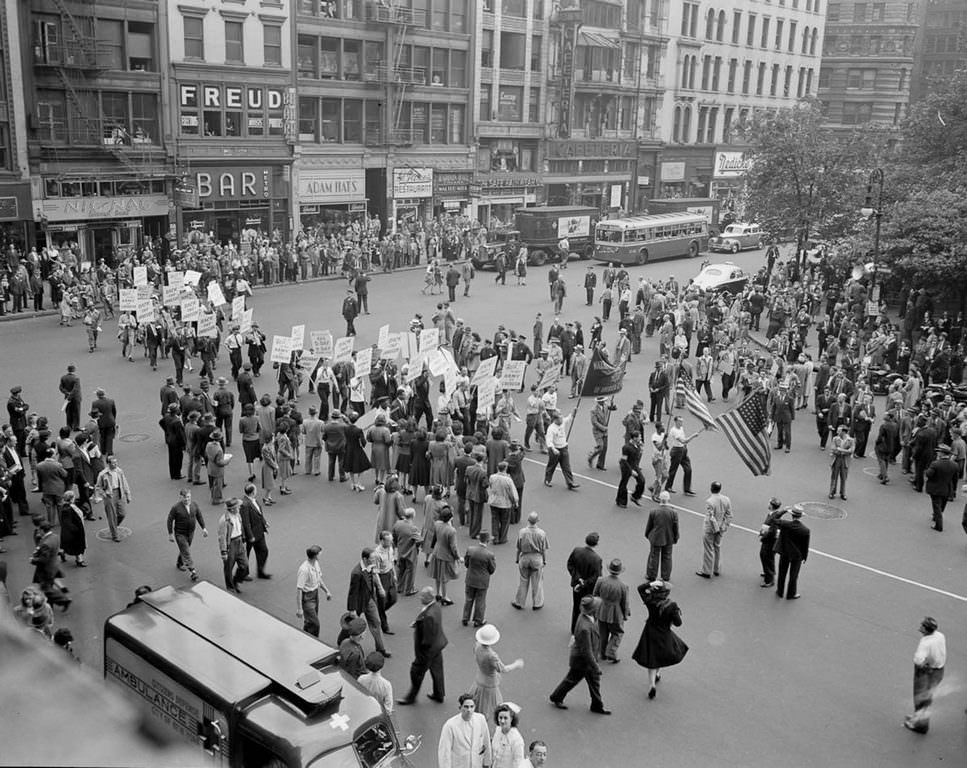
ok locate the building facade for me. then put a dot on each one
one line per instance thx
(941, 43)
(97, 155)
(232, 117)
(867, 66)
(384, 109)
(724, 62)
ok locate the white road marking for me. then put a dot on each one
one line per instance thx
(817, 552)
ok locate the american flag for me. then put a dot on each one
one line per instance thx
(694, 403)
(745, 427)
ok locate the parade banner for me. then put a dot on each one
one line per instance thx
(437, 363)
(128, 299)
(602, 378)
(343, 349)
(144, 292)
(207, 324)
(512, 377)
(484, 371)
(549, 378)
(170, 296)
(215, 295)
(191, 277)
(429, 339)
(238, 307)
(321, 342)
(145, 311)
(281, 349)
(298, 336)
(176, 280)
(364, 362)
(140, 275)
(383, 336)
(190, 309)
(245, 322)
(391, 349)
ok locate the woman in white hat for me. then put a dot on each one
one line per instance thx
(486, 684)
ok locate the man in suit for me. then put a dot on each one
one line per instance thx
(783, 413)
(583, 658)
(941, 484)
(312, 428)
(246, 386)
(17, 410)
(70, 388)
(407, 539)
(107, 414)
(178, 348)
(383, 384)
(824, 402)
(923, 450)
(661, 530)
(584, 565)
(52, 480)
(481, 563)
(215, 464)
(658, 390)
(364, 589)
(477, 481)
(224, 400)
(15, 472)
(254, 528)
(175, 439)
(886, 446)
(428, 644)
(46, 568)
(182, 519)
(793, 549)
(334, 437)
(843, 445)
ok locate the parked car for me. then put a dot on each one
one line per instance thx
(722, 277)
(738, 237)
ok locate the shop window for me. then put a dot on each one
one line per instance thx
(194, 37)
(110, 44)
(352, 51)
(330, 120)
(272, 44)
(512, 50)
(52, 115)
(534, 106)
(308, 56)
(114, 114)
(144, 118)
(308, 118)
(352, 121)
(458, 69)
(329, 59)
(234, 35)
(141, 47)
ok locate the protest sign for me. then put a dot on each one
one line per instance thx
(512, 377)
(190, 309)
(245, 323)
(145, 311)
(140, 276)
(238, 307)
(215, 295)
(128, 299)
(176, 280)
(281, 349)
(485, 370)
(429, 339)
(321, 342)
(170, 296)
(191, 277)
(207, 325)
(391, 349)
(144, 292)
(298, 336)
(343, 349)
(364, 362)
(383, 336)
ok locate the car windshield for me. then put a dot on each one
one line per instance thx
(732, 229)
(712, 272)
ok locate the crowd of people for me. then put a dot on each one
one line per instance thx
(454, 455)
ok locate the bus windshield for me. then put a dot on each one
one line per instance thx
(640, 239)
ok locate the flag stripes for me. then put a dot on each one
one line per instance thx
(745, 427)
(694, 403)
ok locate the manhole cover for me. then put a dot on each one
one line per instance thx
(105, 533)
(136, 437)
(820, 510)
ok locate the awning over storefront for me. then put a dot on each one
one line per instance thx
(597, 40)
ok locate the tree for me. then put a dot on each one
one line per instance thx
(804, 177)
(935, 131)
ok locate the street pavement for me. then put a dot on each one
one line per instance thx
(825, 680)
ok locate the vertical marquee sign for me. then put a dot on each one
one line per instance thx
(570, 20)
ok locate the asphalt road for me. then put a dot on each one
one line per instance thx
(821, 681)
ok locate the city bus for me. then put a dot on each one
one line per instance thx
(640, 239)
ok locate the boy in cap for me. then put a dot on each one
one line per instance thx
(351, 649)
(231, 543)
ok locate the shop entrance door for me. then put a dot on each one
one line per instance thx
(226, 228)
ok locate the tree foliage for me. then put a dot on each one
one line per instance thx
(804, 177)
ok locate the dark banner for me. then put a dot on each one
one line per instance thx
(603, 377)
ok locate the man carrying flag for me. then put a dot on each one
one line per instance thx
(698, 409)
(746, 429)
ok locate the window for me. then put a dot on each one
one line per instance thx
(902, 82)
(879, 10)
(833, 12)
(897, 112)
(746, 76)
(458, 69)
(677, 125)
(774, 83)
(736, 24)
(859, 12)
(329, 59)
(805, 40)
(115, 127)
(516, 8)
(778, 44)
(876, 43)
(351, 59)
(373, 53)
(792, 37)
(690, 20)
(533, 106)
(710, 24)
(509, 103)
(686, 125)
(764, 39)
(727, 125)
(308, 56)
(438, 75)
(856, 43)
(536, 43)
(685, 71)
(800, 82)
(485, 101)
(352, 121)
(787, 82)
(144, 118)
(716, 71)
(233, 41)
(760, 79)
(487, 48)
(272, 44)
(824, 78)
(713, 118)
(438, 124)
(733, 68)
(330, 120)
(308, 118)
(110, 44)
(512, 50)
(194, 38)
(720, 27)
(706, 71)
(458, 121)
(458, 16)
(857, 112)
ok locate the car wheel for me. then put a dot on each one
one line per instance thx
(538, 258)
(734, 248)
(587, 253)
(642, 257)
(693, 249)
(761, 245)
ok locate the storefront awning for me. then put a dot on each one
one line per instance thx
(597, 40)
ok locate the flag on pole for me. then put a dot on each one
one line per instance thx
(693, 402)
(746, 429)
(603, 377)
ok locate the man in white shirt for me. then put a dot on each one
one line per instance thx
(928, 666)
(557, 452)
(308, 583)
(465, 740)
(373, 681)
(678, 443)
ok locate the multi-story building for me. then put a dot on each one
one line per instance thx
(384, 109)
(92, 85)
(16, 214)
(941, 43)
(232, 116)
(867, 63)
(727, 60)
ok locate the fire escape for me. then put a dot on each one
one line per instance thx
(394, 73)
(78, 60)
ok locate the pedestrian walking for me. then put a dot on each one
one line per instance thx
(255, 527)
(112, 484)
(502, 498)
(365, 589)
(768, 533)
(532, 546)
(718, 518)
(928, 668)
(465, 739)
(73, 537)
(612, 594)
(792, 545)
(941, 484)
(630, 466)
(659, 646)
(107, 414)
(842, 454)
(481, 564)
(70, 388)
(583, 659)
(486, 683)
(428, 644)
(557, 451)
(661, 530)
(385, 557)
(678, 442)
(584, 565)
(215, 462)
(176, 440)
(308, 583)
(407, 538)
(446, 558)
(231, 544)
(47, 573)
(600, 418)
(183, 517)
(886, 446)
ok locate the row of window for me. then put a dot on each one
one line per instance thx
(712, 71)
(507, 155)
(948, 19)
(106, 117)
(864, 13)
(235, 118)
(943, 43)
(438, 15)
(866, 79)
(355, 121)
(194, 32)
(507, 104)
(715, 24)
(114, 188)
(513, 51)
(858, 112)
(517, 8)
(118, 45)
(707, 124)
(861, 45)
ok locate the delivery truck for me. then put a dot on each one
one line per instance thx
(540, 228)
(246, 689)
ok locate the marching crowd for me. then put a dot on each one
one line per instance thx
(453, 452)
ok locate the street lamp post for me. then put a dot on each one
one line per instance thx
(868, 209)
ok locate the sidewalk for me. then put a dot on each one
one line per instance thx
(54, 312)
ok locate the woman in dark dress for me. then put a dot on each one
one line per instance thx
(404, 441)
(73, 537)
(419, 464)
(355, 460)
(658, 645)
